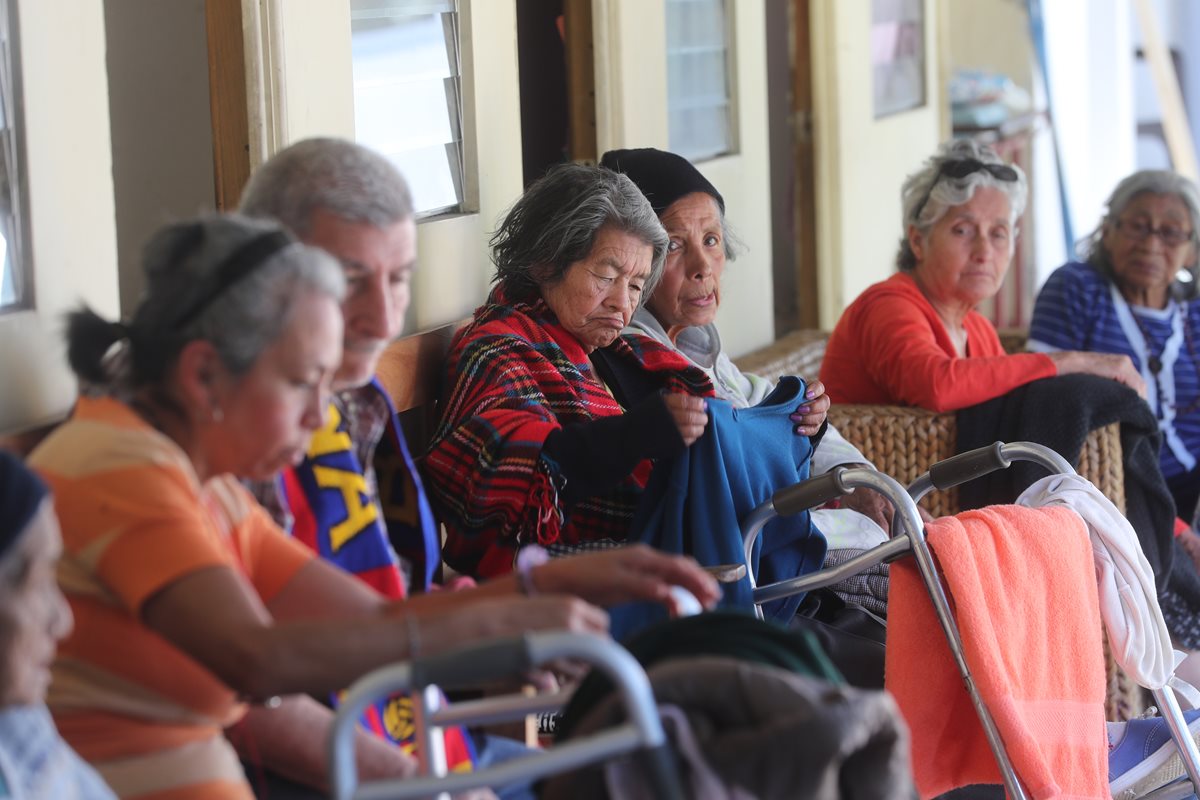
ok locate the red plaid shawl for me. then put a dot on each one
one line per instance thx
(514, 375)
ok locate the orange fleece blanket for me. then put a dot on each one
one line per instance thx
(1023, 588)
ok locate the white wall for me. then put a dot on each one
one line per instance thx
(162, 147)
(862, 161)
(69, 174)
(1090, 69)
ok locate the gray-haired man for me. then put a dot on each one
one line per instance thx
(355, 204)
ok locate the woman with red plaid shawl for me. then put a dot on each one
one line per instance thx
(534, 445)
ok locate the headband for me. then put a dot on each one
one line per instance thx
(240, 263)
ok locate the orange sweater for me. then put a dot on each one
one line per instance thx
(891, 347)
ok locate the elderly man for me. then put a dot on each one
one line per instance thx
(356, 205)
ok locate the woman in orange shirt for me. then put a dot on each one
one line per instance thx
(916, 338)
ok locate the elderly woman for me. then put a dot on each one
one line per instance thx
(532, 446)
(682, 311)
(916, 338)
(190, 601)
(1127, 297)
(34, 760)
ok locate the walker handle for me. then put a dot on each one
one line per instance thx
(967, 466)
(809, 494)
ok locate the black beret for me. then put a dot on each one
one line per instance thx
(663, 177)
(21, 495)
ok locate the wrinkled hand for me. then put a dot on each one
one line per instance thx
(872, 505)
(689, 414)
(476, 794)
(1106, 365)
(810, 415)
(513, 615)
(629, 573)
(1191, 544)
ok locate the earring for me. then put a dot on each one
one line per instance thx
(217, 414)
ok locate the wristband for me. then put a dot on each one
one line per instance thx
(528, 558)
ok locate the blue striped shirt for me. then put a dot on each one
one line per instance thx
(1075, 311)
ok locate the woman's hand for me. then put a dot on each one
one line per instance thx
(872, 505)
(629, 573)
(513, 615)
(1107, 365)
(689, 414)
(810, 415)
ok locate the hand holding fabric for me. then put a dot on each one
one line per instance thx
(689, 415)
(810, 415)
(1117, 367)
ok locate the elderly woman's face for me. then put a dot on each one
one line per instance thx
(690, 288)
(1143, 263)
(269, 414)
(963, 258)
(34, 615)
(594, 300)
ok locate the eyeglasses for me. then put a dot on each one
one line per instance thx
(1136, 230)
(962, 168)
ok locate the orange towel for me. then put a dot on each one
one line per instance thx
(1023, 588)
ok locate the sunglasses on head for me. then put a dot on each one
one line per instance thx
(961, 168)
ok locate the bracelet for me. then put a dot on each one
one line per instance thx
(528, 558)
(414, 635)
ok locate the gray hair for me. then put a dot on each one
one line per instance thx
(1148, 181)
(555, 223)
(734, 246)
(941, 192)
(344, 178)
(241, 319)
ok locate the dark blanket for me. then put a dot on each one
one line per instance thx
(1059, 413)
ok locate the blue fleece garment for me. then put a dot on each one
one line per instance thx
(695, 502)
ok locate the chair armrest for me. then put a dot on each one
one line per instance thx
(902, 442)
(797, 353)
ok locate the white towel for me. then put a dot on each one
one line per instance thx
(1129, 607)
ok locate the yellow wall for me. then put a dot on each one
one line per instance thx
(861, 161)
(991, 35)
(69, 176)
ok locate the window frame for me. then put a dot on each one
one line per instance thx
(457, 118)
(21, 232)
(732, 119)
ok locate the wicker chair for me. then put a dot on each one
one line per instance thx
(903, 442)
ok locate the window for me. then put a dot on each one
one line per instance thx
(15, 289)
(699, 105)
(407, 93)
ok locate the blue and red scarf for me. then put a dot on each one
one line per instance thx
(335, 515)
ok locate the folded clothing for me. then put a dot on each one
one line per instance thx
(1024, 596)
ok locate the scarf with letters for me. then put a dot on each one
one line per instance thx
(337, 517)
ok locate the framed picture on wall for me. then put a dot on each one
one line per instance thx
(898, 55)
